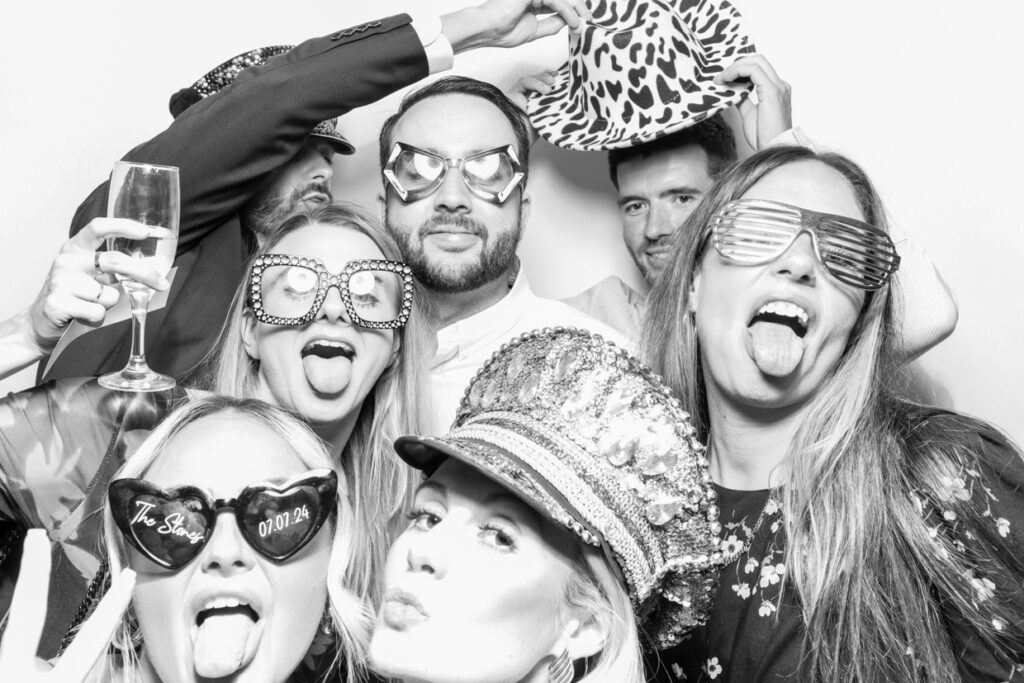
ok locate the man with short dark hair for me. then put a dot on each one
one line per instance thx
(660, 182)
(247, 158)
(658, 185)
(455, 164)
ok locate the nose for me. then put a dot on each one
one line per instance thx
(227, 553)
(321, 170)
(660, 222)
(427, 552)
(316, 163)
(453, 196)
(799, 262)
(333, 308)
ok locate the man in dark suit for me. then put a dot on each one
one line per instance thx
(246, 159)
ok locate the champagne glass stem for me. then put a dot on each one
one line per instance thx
(139, 297)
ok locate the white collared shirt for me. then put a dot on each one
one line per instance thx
(464, 346)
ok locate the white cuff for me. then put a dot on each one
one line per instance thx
(440, 55)
(793, 136)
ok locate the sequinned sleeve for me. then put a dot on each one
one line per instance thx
(52, 439)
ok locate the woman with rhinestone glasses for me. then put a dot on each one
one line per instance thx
(565, 520)
(344, 362)
(877, 539)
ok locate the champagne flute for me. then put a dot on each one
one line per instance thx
(150, 195)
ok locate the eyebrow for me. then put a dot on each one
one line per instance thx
(679, 189)
(430, 484)
(469, 153)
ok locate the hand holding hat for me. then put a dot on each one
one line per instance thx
(772, 114)
(642, 69)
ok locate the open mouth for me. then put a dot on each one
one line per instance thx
(327, 349)
(225, 607)
(782, 313)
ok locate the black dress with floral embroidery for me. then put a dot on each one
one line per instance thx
(753, 634)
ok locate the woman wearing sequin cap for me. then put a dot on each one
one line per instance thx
(565, 521)
(878, 540)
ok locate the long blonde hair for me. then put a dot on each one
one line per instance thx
(381, 484)
(873, 580)
(350, 613)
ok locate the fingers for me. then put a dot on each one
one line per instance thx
(116, 263)
(773, 110)
(571, 13)
(92, 640)
(28, 606)
(99, 229)
(755, 68)
(542, 82)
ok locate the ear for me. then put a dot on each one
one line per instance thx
(249, 334)
(382, 209)
(694, 292)
(525, 205)
(584, 635)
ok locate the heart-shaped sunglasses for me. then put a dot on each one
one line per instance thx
(171, 526)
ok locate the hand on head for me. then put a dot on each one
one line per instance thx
(18, 660)
(77, 288)
(772, 114)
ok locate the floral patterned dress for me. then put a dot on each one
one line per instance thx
(754, 633)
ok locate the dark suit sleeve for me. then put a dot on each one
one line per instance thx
(227, 143)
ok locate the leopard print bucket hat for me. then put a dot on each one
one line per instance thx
(641, 69)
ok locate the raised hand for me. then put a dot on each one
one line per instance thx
(520, 92)
(76, 287)
(508, 23)
(18, 661)
(772, 114)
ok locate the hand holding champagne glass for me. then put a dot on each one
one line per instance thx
(148, 194)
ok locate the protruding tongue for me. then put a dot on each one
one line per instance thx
(777, 349)
(327, 375)
(225, 643)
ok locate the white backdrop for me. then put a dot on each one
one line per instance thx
(923, 94)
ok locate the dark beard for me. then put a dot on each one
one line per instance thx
(495, 259)
(265, 212)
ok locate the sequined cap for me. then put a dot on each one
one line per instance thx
(592, 439)
(224, 75)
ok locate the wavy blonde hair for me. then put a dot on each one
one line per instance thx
(873, 582)
(348, 610)
(381, 484)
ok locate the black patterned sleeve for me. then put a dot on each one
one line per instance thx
(984, 510)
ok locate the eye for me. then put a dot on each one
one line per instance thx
(361, 283)
(684, 199)
(422, 519)
(634, 208)
(484, 167)
(498, 537)
(426, 166)
(300, 280)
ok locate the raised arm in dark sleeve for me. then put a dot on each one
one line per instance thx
(224, 146)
